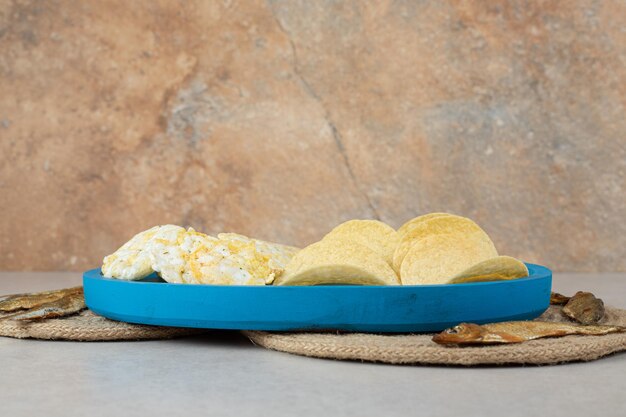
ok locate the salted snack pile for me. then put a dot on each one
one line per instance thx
(191, 257)
(437, 248)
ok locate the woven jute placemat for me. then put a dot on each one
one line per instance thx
(88, 327)
(395, 349)
(420, 349)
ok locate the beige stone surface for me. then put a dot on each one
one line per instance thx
(282, 119)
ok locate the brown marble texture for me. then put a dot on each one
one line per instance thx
(281, 119)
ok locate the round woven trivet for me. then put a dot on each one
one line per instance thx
(419, 349)
(88, 327)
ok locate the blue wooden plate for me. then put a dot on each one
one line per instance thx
(412, 308)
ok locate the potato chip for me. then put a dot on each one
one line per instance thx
(337, 262)
(499, 268)
(436, 258)
(436, 225)
(376, 235)
(419, 219)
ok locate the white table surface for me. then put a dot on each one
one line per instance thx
(223, 374)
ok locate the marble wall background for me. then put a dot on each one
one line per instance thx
(280, 119)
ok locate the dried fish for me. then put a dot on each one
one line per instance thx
(516, 332)
(15, 302)
(558, 299)
(585, 308)
(43, 305)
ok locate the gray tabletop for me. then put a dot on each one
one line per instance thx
(225, 375)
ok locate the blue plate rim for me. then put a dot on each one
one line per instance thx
(536, 272)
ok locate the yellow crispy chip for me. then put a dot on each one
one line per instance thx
(419, 219)
(436, 258)
(499, 268)
(444, 224)
(337, 262)
(376, 235)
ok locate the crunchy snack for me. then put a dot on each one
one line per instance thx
(376, 235)
(279, 255)
(436, 248)
(411, 224)
(335, 262)
(461, 228)
(187, 256)
(204, 259)
(133, 260)
(493, 269)
(437, 258)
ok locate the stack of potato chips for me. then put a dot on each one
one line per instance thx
(436, 248)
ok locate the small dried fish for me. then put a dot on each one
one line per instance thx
(558, 299)
(43, 305)
(516, 332)
(585, 308)
(15, 302)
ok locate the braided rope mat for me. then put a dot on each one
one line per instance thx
(419, 349)
(395, 349)
(88, 327)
